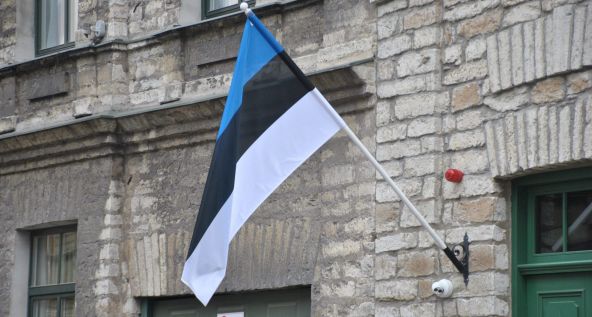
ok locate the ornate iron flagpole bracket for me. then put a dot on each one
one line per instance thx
(460, 257)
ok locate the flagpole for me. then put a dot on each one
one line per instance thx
(460, 266)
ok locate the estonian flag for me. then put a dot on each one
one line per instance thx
(274, 119)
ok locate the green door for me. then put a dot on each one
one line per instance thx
(279, 303)
(552, 245)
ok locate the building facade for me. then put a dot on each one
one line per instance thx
(108, 117)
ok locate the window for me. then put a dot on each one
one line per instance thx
(552, 243)
(214, 8)
(55, 26)
(53, 273)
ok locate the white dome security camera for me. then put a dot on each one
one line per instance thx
(442, 288)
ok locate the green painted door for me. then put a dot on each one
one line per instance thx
(280, 303)
(552, 245)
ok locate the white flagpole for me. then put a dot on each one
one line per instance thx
(352, 136)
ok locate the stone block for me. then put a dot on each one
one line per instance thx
(342, 248)
(549, 90)
(511, 100)
(474, 210)
(396, 242)
(391, 6)
(517, 55)
(398, 149)
(471, 161)
(562, 37)
(475, 49)
(549, 58)
(539, 48)
(469, 10)
(465, 96)
(409, 186)
(385, 267)
(577, 45)
(83, 107)
(502, 257)
(579, 82)
(452, 54)
(530, 118)
(505, 58)
(8, 124)
(393, 46)
(565, 129)
(420, 104)
(468, 139)
(414, 63)
(388, 25)
(523, 12)
(469, 120)
(423, 309)
(493, 63)
(426, 36)
(421, 165)
(396, 290)
(424, 125)
(416, 264)
(485, 23)
(466, 72)
(479, 233)
(426, 208)
(482, 306)
(391, 132)
(529, 55)
(587, 55)
(472, 185)
(406, 86)
(421, 17)
(337, 175)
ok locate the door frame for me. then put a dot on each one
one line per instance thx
(520, 239)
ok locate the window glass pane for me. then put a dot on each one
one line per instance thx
(548, 211)
(218, 4)
(46, 307)
(68, 257)
(68, 307)
(45, 267)
(579, 219)
(53, 23)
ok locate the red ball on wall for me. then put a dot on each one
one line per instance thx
(454, 175)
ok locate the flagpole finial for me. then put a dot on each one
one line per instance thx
(244, 6)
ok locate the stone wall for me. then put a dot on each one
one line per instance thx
(496, 89)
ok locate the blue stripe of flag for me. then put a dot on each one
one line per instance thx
(256, 51)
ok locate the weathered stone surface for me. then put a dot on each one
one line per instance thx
(421, 17)
(415, 264)
(394, 46)
(548, 90)
(468, 10)
(8, 124)
(523, 12)
(426, 36)
(415, 63)
(466, 72)
(465, 96)
(396, 290)
(474, 210)
(481, 24)
(463, 140)
(396, 242)
(420, 104)
(511, 100)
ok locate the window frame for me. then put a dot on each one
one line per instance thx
(46, 51)
(58, 291)
(208, 14)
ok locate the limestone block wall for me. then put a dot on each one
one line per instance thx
(495, 88)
